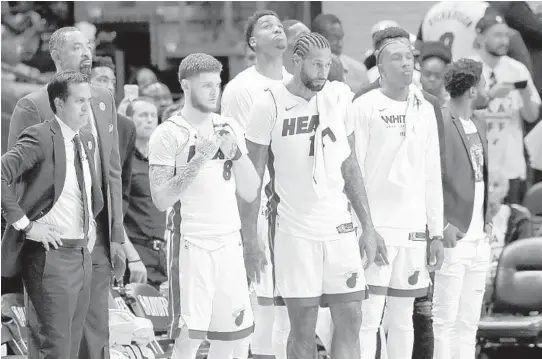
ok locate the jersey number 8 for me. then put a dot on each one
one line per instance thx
(226, 173)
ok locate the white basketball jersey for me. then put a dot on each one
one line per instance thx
(454, 24)
(209, 205)
(289, 128)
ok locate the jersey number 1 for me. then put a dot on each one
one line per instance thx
(226, 173)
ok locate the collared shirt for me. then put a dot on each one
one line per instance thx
(67, 213)
(143, 220)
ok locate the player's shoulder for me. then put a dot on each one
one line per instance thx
(367, 98)
(241, 79)
(516, 65)
(170, 126)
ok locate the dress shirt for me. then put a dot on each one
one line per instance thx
(67, 213)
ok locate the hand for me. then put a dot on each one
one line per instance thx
(46, 234)
(436, 254)
(374, 247)
(229, 146)
(207, 147)
(138, 272)
(255, 261)
(450, 236)
(118, 258)
(501, 90)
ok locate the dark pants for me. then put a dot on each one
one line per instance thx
(516, 192)
(156, 263)
(95, 341)
(422, 320)
(57, 284)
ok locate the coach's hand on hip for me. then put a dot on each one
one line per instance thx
(48, 235)
(255, 261)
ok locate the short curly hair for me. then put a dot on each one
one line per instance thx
(195, 64)
(251, 23)
(461, 75)
(389, 33)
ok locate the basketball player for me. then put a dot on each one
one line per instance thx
(265, 36)
(315, 252)
(197, 166)
(398, 152)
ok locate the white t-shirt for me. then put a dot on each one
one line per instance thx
(241, 93)
(454, 24)
(379, 125)
(504, 122)
(288, 127)
(208, 209)
(476, 152)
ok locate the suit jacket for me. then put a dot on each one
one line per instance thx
(37, 163)
(34, 108)
(458, 180)
(127, 137)
(429, 98)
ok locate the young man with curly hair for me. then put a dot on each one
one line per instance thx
(460, 283)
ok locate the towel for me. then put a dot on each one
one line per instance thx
(402, 171)
(331, 146)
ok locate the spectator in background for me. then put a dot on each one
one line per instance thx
(103, 74)
(144, 77)
(161, 95)
(293, 29)
(336, 71)
(508, 105)
(144, 223)
(331, 28)
(434, 58)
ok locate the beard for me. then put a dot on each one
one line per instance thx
(199, 105)
(311, 83)
(497, 51)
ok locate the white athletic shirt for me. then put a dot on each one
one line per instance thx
(476, 152)
(243, 91)
(454, 24)
(504, 122)
(288, 128)
(208, 208)
(379, 126)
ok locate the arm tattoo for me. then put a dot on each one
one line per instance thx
(168, 187)
(354, 189)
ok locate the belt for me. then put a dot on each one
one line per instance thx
(154, 244)
(73, 243)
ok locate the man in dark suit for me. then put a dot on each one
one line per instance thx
(51, 228)
(71, 51)
(460, 283)
(103, 74)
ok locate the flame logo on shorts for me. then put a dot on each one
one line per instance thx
(352, 280)
(413, 279)
(239, 316)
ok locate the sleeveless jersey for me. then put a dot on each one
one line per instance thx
(454, 24)
(287, 124)
(208, 207)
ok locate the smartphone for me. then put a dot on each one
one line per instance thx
(520, 84)
(131, 92)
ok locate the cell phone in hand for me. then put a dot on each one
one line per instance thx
(131, 92)
(520, 85)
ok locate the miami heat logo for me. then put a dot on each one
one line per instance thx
(413, 279)
(239, 315)
(351, 279)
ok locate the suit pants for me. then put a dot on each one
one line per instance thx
(57, 284)
(95, 341)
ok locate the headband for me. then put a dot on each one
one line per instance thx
(387, 42)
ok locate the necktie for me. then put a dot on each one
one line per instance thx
(492, 79)
(81, 182)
